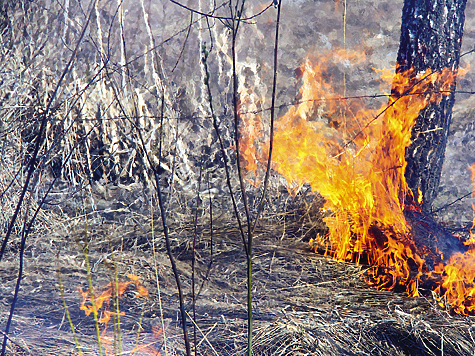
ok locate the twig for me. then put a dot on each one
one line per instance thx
(449, 204)
(211, 240)
(164, 221)
(32, 167)
(193, 260)
(184, 42)
(168, 245)
(221, 145)
(272, 117)
(156, 278)
(205, 336)
(232, 18)
(235, 27)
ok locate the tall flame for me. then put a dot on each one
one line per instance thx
(361, 177)
(355, 158)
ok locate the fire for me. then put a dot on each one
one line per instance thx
(355, 158)
(248, 103)
(149, 348)
(105, 296)
(458, 275)
(360, 172)
(99, 302)
(252, 127)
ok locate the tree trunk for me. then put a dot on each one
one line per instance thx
(431, 37)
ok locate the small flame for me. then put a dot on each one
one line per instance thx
(251, 127)
(355, 158)
(458, 275)
(148, 348)
(250, 102)
(472, 237)
(419, 197)
(99, 303)
(141, 290)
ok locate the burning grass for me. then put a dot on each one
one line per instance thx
(355, 158)
(99, 303)
(297, 308)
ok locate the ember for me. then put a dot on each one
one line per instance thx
(356, 161)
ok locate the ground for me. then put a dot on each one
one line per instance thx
(304, 303)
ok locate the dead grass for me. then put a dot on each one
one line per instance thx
(304, 304)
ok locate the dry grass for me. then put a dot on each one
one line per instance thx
(303, 303)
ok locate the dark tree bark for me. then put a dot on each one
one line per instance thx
(431, 37)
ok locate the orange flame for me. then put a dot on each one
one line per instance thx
(251, 127)
(141, 290)
(149, 348)
(99, 303)
(458, 275)
(472, 235)
(361, 176)
(359, 169)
